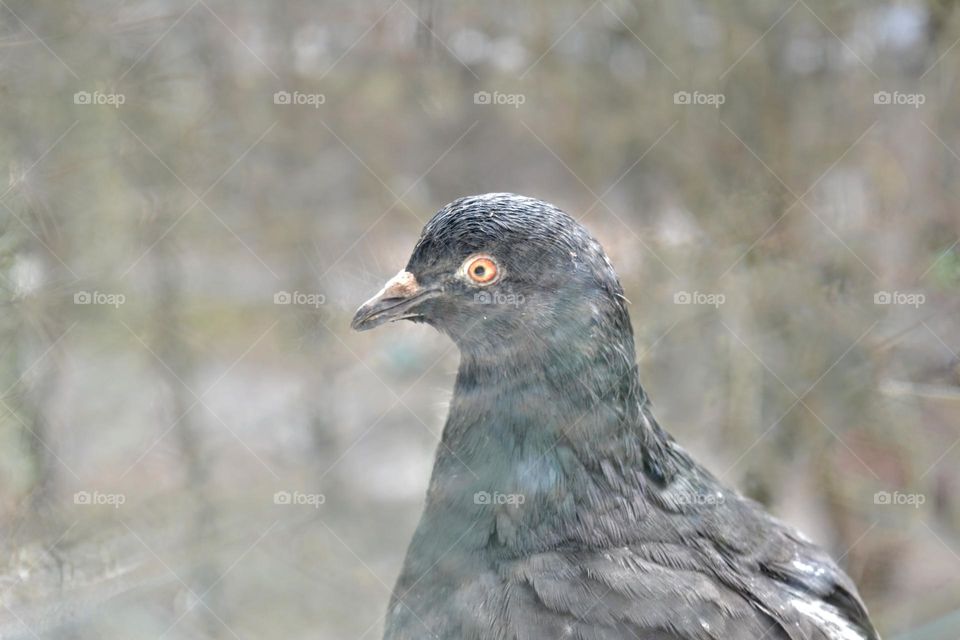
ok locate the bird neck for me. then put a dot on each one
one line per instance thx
(533, 433)
(580, 345)
(581, 394)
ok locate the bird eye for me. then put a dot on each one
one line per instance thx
(482, 270)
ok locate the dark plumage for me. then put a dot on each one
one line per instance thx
(558, 507)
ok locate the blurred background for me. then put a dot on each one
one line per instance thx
(193, 444)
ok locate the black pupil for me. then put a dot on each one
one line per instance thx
(479, 270)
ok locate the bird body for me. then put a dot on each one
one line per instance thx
(558, 507)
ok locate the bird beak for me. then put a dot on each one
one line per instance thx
(394, 302)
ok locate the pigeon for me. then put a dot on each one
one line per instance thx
(557, 506)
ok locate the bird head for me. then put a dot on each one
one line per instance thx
(502, 271)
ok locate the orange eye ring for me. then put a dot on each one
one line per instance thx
(482, 270)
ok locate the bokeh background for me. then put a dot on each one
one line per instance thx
(198, 194)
